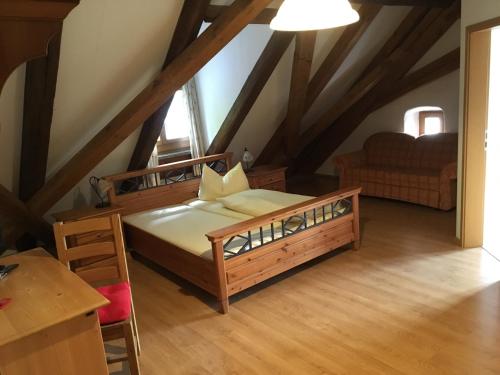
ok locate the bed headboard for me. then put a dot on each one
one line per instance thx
(162, 186)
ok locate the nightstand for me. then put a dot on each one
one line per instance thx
(270, 177)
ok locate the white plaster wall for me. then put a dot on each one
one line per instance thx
(110, 51)
(473, 11)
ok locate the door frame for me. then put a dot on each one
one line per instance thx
(475, 116)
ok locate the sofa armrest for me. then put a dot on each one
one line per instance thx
(449, 171)
(353, 159)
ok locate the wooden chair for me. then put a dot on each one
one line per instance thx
(102, 263)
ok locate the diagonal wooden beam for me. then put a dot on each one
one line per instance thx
(188, 63)
(270, 57)
(39, 93)
(16, 219)
(301, 72)
(350, 36)
(321, 148)
(405, 28)
(264, 17)
(425, 3)
(186, 31)
(429, 73)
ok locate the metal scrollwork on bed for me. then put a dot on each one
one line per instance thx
(164, 176)
(263, 235)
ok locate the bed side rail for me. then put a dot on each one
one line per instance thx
(249, 235)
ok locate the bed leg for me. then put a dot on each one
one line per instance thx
(224, 306)
(355, 245)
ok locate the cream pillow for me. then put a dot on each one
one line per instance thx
(213, 185)
(249, 206)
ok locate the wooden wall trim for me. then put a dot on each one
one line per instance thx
(265, 66)
(186, 31)
(183, 68)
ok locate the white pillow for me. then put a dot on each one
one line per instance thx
(213, 185)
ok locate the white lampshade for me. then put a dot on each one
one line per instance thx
(303, 15)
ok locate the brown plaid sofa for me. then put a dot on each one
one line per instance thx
(398, 166)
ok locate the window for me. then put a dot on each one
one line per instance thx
(176, 127)
(430, 122)
(424, 121)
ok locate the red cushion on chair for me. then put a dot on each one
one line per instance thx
(120, 306)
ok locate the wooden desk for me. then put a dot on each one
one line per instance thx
(51, 326)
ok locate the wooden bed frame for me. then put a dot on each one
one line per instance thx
(226, 277)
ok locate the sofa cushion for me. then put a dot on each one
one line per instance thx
(434, 151)
(389, 149)
(427, 179)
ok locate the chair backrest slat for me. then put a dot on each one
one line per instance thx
(91, 250)
(94, 275)
(86, 226)
(112, 267)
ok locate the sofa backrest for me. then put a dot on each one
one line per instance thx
(389, 149)
(435, 151)
(401, 150)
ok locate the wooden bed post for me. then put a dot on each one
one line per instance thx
(355, 223)
(218, 256)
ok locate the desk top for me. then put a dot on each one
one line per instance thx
(44, 293)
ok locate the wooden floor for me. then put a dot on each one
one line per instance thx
(409, 302)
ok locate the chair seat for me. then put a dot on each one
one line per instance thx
(120, 307)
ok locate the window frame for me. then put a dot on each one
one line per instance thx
(166, 146)
(425, 114)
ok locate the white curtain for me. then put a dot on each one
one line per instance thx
(195, 136)
(153, 162)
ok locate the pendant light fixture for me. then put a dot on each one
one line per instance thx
(303, 15)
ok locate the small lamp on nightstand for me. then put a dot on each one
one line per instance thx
(247, 159)
(100, 187)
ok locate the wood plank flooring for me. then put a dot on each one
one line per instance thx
(409, 302)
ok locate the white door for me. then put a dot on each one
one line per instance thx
(492, 193)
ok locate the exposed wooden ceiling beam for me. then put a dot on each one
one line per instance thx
(185, 66)
(339, 52)
(264, 17)
(39, 93)
(186, 31)
(424, 3)
(317, 151)
(266, 64)
(301, 72)
(429, 73)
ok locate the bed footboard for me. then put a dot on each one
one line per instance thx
(250, 252)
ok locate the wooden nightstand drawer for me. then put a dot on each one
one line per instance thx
(278, 186)
(267, 177)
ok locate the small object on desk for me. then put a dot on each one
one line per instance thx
(5, 269)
